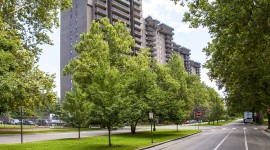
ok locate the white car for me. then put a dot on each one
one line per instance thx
(14, 121)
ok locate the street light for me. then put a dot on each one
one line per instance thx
(151, 117)
(21, 113)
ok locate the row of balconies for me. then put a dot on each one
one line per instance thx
(150, 29)
(121, 6)
(102, 12)
(169, 37)
(121, 19)
(121, 13)
(152, 34)
(101, 4)
(169, 46)
(151, 39)
(150, 44)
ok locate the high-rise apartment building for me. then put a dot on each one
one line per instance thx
(147, 32)
(77, 20)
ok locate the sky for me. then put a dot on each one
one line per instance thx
(163, 10)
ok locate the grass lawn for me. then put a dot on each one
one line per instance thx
(125, 141)
(220, 123)
(33, 130)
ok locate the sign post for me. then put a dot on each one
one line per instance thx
(198, 117)
(268, 114)
(21, 112)
(151, 117)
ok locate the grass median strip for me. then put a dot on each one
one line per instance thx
(44, 130)
(125, 141)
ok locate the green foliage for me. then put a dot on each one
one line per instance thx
(99, 70)
(32, 19)
(21, 80)
(238, 55)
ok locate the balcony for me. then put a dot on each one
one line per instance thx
(138, 21)
(169, 37)
(152, 49)
(137, 8)
(168, 51)
(136, 2)
(115, 17)
(121, 13)
(149, 38)
(153, 54)
(168, 56)
(168, 42)
(101, 12)
(121, 6)
(137, 33)
(168, 46)
(98, 17)
(152, 34)
(137, 27)
(137, 15)
(101, 4)
(150, 29)
(150, 44)
(138, 40)
(124, 2)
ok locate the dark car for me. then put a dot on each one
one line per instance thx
(28, 122)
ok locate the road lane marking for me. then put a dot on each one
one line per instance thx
(233, 128)
(246, 145)
(255, 128)
(244, 128)
(222, 141)
(223, 128)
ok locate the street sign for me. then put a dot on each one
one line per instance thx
(199, 114)
(151, 116)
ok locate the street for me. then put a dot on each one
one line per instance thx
(234, 136)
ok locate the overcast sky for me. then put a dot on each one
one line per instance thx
(164, 11)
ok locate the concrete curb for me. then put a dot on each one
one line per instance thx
(267, 130)
(156, 144)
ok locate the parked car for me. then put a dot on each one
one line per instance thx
(14, 121)
(1, 122)
(28, 122)
(42, 122)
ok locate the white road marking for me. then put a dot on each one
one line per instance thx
(222, 141)
(255, 128)
(233, 128)
(223, 128)
(246, 145)
(244, 128)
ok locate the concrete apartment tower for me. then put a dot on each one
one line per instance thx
(77, 20)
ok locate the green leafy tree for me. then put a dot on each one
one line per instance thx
(99, 70)
(238, 53)
(76, 109)
(32, 19)
(139, 83)
(21, 80)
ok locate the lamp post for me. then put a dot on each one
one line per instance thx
(151, 116)
(21, 114)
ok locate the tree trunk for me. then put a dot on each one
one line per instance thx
(260, 118)
(109, 129)
(79, 132)
(133, 127)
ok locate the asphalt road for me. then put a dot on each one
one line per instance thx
(234, 136)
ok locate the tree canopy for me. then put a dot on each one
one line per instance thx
(238, 55)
